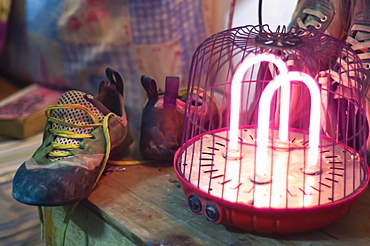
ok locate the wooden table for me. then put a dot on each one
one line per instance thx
(145, 205)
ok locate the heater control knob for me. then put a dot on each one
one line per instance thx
(212, 213)
(194, 203)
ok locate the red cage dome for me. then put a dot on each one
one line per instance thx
(275, 129)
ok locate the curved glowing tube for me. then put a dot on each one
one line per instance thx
(264, 108)
(236, 94)
(314, 130)
(263, 119)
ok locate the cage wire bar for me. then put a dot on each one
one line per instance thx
(218, 183)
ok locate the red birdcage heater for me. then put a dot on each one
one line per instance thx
(275, 133)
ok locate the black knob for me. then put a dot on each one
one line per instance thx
(194, 203)
(212, 212)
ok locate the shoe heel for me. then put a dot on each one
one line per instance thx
(123, 150)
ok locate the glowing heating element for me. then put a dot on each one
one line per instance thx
(263, 121)
(236, 94)
(283, 81)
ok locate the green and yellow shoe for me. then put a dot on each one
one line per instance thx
(81, 134)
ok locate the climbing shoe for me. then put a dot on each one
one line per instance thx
(81, 134)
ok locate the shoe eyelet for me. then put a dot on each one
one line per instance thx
(325, 18)
(367, 66)
(318, 26)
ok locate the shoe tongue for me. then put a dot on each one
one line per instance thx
(75, 115)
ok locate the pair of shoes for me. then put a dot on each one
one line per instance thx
(347, 21)
(81, 134)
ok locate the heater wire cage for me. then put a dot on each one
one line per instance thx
(218, 183)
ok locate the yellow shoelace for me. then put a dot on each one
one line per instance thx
(68, 147)
(67, 133)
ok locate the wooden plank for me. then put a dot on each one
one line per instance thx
(84, 228)
(131, 200)
(147, 205)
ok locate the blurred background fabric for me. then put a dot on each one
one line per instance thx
(68, 44)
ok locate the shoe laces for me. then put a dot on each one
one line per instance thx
(347, 72)
(67, 140)
(311, 20)
(360, 42)
(72, 139)
(73, 119)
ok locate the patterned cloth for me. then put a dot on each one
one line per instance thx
(69, 43)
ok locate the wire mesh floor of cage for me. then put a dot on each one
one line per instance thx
(275, 128)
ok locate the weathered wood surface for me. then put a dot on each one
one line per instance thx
(146, 205)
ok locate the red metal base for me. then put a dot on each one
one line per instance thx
(266, 220)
